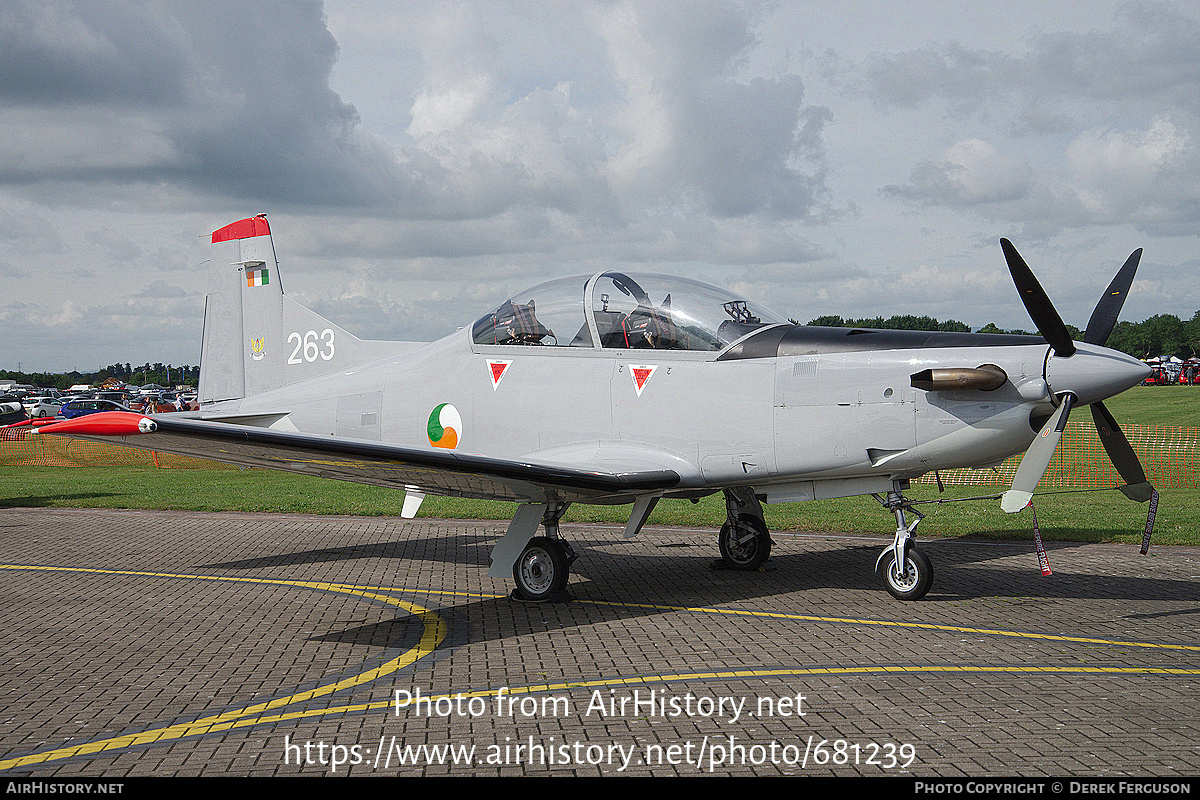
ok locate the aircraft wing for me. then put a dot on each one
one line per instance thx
(439, 472)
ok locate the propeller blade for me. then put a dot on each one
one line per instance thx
(1037, 303)
(1104, 317)
(1121, 454)
(1036, 459)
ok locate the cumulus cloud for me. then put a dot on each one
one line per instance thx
(234, 99)
(457, 151)
(1145, 178)
(218, 96)
(1146, 59)
(1082, 128)
(1148, 176)
(970, 172)
(649, 116)
(692, 133)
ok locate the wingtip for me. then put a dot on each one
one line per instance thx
(107, 423)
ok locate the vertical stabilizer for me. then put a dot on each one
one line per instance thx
(222, 372)
(255, 338)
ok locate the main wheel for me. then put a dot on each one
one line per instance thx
(542, 570)
(912, 586)
(747, 546)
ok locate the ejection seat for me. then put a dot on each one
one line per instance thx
(513, 323)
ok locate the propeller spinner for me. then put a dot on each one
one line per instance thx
(1086, 374)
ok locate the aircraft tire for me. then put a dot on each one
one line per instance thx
(920, 575)
(748, 555)
(542, 570)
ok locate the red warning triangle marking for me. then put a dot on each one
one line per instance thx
(497, 368)
(641, 374)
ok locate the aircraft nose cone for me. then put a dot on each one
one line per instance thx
(1094, 373)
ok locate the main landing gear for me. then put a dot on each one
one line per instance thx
(905, 570)
(542, 566)
(744, 540)
(542, 570)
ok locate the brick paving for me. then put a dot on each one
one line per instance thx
(152, 641)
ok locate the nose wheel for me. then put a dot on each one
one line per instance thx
(906, 572)
(911, 583)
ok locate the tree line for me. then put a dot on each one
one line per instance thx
(159, 373)
(1160, 335)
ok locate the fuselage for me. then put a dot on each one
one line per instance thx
(783, 404)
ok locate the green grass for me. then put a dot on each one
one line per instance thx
(1177, 406)
(1095, 516)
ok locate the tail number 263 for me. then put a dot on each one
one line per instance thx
(311, 346)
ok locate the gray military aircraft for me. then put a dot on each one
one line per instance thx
(622, 388)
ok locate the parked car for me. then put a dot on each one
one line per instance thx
(78, 408)
(116, 397)
(12, 411)
(1191, 373)
(1157, 377)
(42, 406)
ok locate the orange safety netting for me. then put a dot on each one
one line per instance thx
(1169, 455)
(20, 447)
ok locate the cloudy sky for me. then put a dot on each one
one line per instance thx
(420, 160)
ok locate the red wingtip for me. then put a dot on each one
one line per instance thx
(105, 423)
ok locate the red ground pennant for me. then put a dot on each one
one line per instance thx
(1150, 520)
(1043, 560)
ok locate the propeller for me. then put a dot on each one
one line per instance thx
(1037, 303)
(1104, 317)
(1121, 454)
(1050, 326)
(1036, 459)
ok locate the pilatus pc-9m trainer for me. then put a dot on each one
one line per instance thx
(623, 388)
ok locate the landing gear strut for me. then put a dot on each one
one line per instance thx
(905, 570)
(744, 540)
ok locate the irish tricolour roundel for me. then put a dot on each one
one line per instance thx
(445, 426)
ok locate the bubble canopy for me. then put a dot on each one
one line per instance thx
(618, 310)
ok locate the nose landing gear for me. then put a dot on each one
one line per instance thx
(906, 572)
